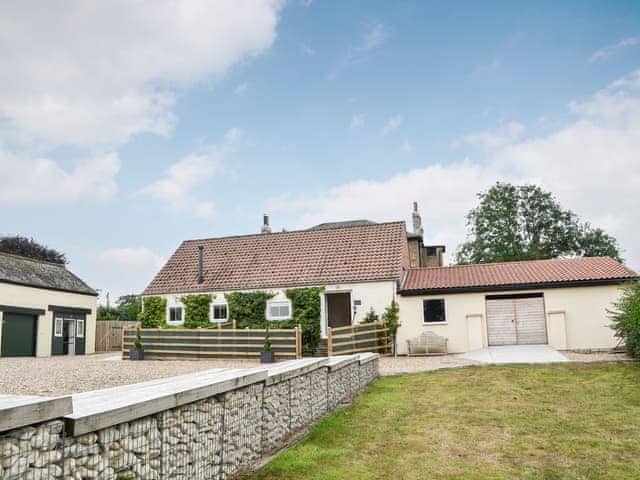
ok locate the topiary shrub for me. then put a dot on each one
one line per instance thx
(626, 318)
(248, 309)
(154, 312)
(197, 310)
(305, 304)
(391, 319)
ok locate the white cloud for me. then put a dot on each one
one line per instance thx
(357, 121)
(91, 74)
(191, 171)
(590, 164)
(375, 35)
(307, 50)
(126, 270)
(241, 89)
(28, 180)
(604, 53)
(493, 139)
(393, 124)
(406, 147)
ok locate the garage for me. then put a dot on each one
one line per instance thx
(19, 331)
(516, 319)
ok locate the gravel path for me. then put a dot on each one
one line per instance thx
(64, 375)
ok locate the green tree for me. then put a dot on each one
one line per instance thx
(305, 304)
(371, 316)
(626, 319)
(106, 313)
(524, 222)
(129, 306)
(28, 247)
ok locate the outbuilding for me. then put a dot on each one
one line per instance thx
(45, 309)
(559, 302)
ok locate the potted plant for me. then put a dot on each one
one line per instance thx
(137, 352)
(267, 355)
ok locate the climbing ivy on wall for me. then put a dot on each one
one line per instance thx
(197, 309)
(154, 311)
(305, 303)
(248, 309)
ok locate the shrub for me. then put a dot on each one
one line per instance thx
(371, 317)
(626, 318)
(197, 310)
(305, 304)
(391, 318)
(154, 313)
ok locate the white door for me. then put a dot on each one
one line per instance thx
(516, 320)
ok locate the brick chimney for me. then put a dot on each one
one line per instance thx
(417, 220)
(265, 224)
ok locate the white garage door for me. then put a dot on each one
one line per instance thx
(516, 320)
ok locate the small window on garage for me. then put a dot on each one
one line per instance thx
(278, 310)
(220, 312)
(175, 314)
(58, 327)
(80, 328)
(434, 311)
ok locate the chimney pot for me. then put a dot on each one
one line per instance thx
(265, 224)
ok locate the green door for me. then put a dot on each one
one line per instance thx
(18, 335)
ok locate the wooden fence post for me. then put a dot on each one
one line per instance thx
(122, 343)
(298, 341)
(329, 342)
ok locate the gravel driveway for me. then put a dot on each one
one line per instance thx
(61, 375)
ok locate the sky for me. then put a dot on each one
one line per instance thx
(128, 127)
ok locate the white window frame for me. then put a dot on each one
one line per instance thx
(219, 320)
(175, 322)
(271, 303)
(58, 326)
(80, 331)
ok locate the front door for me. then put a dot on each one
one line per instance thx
(69, 336)
(338, 309)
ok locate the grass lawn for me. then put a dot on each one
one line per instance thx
(574, 421)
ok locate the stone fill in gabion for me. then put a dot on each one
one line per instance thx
(214, 438)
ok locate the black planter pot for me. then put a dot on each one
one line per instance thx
(267, 357)
(136, 354)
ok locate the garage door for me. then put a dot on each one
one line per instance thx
(18, 335)
(516, 320)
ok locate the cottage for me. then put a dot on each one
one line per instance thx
(561, 302)
(363, 265)
(46, 309)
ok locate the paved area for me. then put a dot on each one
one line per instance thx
(516, 354)
(64, 375)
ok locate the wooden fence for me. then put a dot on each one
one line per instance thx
(210, 343)
(109, 334)
(363, 337)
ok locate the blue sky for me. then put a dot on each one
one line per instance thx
(163, 125)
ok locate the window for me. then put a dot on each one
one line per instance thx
(431, 251)
(220, 312)
(58, 327)
(278, 310)
(175, 314)
(80, 328)
(434, 311)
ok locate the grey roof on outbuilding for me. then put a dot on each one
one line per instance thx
(35, 273)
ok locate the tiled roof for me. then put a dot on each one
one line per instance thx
(40, 274)
(513, 275)
(306, 257)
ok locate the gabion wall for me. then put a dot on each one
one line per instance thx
(214, 438)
